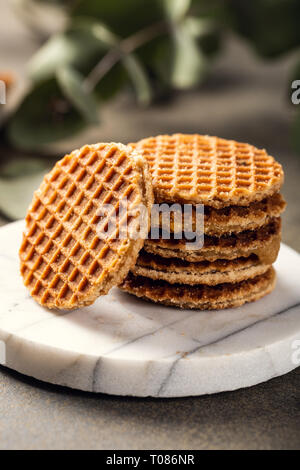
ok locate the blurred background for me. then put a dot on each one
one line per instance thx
(82, 71)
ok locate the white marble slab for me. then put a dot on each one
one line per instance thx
(125, 346)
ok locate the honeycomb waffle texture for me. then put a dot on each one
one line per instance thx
(64, 262)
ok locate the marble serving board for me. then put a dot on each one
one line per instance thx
(125, 346)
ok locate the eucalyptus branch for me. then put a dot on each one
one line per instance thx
(124, 47)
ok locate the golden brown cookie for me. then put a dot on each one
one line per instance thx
(201, 297)
(177, 271)
(208, 170)
(67, 258)
(231, 219)
(263, 242)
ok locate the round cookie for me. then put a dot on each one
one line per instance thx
(200, 297)
(232, 219)
(67, 257)
(177, 271)
(208, 170)
(263, 242)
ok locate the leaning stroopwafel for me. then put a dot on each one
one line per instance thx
(67, 256)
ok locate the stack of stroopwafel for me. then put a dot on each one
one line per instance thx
(239, 186)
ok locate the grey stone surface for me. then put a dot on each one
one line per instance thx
(35, 415)
(245, 99)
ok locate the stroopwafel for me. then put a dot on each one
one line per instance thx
(64, 262)
(201, 297)
(263, 242)
(208, 170)
(175, 270)
(231, 219)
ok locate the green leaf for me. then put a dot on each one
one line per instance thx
(19, 178)
(189, 63)
(75, 48)
(44, 116)
(123, 17)
(101, 32)
(199, 27)
(16, 194)
(180, 61)
(139, 78)
(272, 26)
(111, 83)
(207, 33)
(133, 66)
(113, 80)
(16, 167)
(175, 10)
(71, 83)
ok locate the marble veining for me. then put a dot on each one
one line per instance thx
(126, 346)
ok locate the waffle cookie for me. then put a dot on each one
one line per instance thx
(177, 271)
(201, 297)
(264, 243)
(67, 257)
(208, 170)
(231, 219)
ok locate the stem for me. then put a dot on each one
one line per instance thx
(124, 47)
(101, 69)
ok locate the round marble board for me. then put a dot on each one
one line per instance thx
(125, 346)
